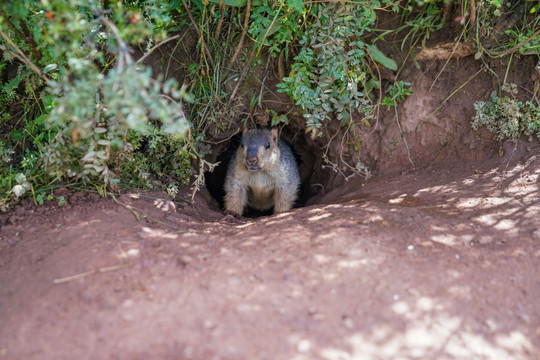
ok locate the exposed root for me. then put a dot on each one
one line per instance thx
(447, 51)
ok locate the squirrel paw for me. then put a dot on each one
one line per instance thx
(232, 214)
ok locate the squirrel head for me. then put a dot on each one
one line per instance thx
(259, 147)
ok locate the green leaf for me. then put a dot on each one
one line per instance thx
(16, 135)
(174, 4)
(267, 32)
(50, 67)
(13, 84)
(379, 57)
(296, 4)
(61, 201)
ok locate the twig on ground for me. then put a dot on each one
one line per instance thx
(88, 273)
(101, 270)
(134, 210)
(129, 207)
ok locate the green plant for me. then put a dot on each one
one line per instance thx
(330, 74)
(396, 93)
(84, 95)
(507, 118)
(421, 19)
(276, 25)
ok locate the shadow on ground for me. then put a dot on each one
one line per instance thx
(431, 264)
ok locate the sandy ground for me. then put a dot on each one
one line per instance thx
(436, 263)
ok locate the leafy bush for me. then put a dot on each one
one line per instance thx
(507, 118)
(331, 75)
(91, 112)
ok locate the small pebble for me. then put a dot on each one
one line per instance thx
(348, 323)
(410, 247)
(303, 346)
(395, 297)
(133, 252)
(457, 256)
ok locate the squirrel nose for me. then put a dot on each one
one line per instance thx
(251, 161)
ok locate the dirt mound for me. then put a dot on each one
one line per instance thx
(438, 263)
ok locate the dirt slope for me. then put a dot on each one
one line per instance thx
(437, 263)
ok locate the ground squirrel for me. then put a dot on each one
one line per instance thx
(262, 174)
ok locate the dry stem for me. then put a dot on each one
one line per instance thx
(156, 46)
(201, 37)
(23, 57)
(88, 273)
(242, 37)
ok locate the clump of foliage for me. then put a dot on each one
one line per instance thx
(508, 118)
(95, 104)
(275, 25)
(331, 75)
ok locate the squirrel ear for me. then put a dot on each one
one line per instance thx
(244, 131)
(274, 134)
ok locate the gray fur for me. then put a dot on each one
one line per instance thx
(274, 177)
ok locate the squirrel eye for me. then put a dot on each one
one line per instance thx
(268, 145)
(242, 145)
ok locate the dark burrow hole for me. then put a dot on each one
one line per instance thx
(308, 157)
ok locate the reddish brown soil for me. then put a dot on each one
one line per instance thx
(438, 263)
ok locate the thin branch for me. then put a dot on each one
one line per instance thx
(514, 48)
(156, 46)
(242, 37)
(29, 40)
(472, 19)
(14, 54)
(208, 54)
(425, 120)
(23, 57)
(88, 273)
(123, 48)
(220, 21)
(242, 76)
(264, 79)
(252, 56)
(448, 60)
(226, 48)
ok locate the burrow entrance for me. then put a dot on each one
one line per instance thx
(314, 178)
